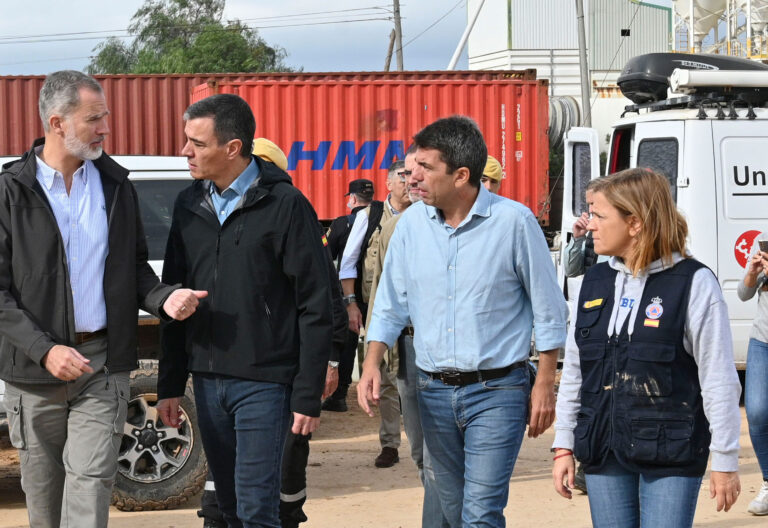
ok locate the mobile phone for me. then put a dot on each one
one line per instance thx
(763, 245)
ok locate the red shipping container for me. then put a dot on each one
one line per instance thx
(147, 109)
(336, 129)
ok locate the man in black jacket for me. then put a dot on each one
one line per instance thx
(360, 196)
(258, 345)
(73, 274)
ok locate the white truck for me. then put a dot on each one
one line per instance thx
(701, 121)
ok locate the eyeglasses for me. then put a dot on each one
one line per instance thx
(402, 175)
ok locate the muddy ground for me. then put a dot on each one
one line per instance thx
(347, 491)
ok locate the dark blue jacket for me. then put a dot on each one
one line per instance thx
(640, 394)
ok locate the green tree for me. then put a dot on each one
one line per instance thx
(187, 36)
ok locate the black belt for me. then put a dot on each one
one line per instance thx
(82, 337)
(459, 378)
(407, 331)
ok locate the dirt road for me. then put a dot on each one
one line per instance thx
(347, 491)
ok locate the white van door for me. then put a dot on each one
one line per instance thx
(581, 163)
(742, 189)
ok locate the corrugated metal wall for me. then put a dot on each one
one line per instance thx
(559, 66)
(146, 110)
(543, 24)
(650, 32)
(338, 130)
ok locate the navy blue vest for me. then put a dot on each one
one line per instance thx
(640, 395)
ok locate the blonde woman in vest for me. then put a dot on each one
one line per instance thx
(649, 387)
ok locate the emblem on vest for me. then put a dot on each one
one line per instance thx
(653, 312)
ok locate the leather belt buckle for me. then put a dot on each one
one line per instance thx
(83, 337)
(451, 377)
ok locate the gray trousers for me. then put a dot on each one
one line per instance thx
(68, 437)
(389, 407)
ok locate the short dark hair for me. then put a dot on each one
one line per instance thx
(364, 198)
(460, 143)
(232, 119)
(394, 167)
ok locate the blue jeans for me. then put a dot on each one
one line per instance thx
(474, 433)
(619, 498)
(243, 425)
(756, 400)
(407, 382)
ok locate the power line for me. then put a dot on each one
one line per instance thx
(109, 32)
(434, 23)
(257, 27)
(44, 60)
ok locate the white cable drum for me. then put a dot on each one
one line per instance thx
(564, 113)
(686, 81)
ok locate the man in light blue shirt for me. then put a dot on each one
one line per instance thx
(472, 271)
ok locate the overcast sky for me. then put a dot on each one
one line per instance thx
(322, 46)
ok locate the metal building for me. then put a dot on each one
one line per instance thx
(542, 34)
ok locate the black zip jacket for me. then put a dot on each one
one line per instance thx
(36, 307)
(268, 314)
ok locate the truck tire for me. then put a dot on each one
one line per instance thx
(159, 467)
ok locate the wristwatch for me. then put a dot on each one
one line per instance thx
(349, 299)
(333, 364)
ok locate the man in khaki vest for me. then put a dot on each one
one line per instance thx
(356, 277)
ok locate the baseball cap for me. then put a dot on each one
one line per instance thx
(361, 186)
(265, 149)
(492, 169)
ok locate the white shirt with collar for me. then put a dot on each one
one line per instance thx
(348, 267)
(81, 216)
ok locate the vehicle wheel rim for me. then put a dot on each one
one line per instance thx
(151, 451)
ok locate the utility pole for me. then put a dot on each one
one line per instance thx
(465, 36)
(586, 105)
(388, 60)
(398, 35)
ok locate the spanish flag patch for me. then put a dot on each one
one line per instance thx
(593, 303)
(325, 240)
(651, 322)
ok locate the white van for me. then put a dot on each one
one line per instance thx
(710, 138)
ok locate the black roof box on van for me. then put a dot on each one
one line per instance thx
(645, 78)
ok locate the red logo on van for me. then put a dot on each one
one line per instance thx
(743, 247)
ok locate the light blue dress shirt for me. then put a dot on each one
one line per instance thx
(82, 219)
(226, 201)
(474, 292)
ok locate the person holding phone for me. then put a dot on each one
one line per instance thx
(755, 391)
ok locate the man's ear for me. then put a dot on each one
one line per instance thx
(233, 148)
(55, 123)
(461, 176)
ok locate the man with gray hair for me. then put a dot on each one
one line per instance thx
(73, 274)
(356, 274)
